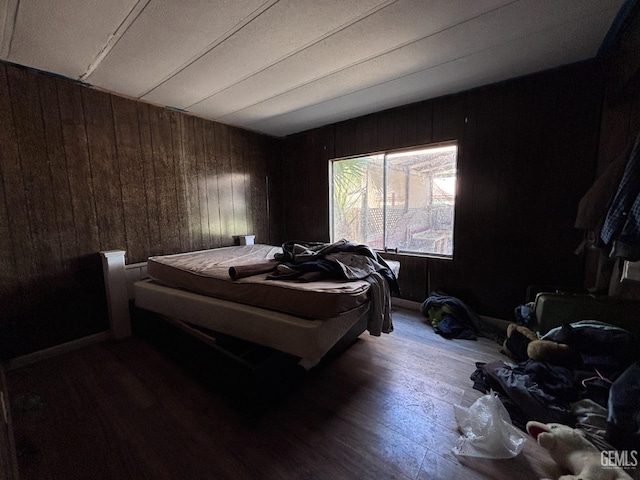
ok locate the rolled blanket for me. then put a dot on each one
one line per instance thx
(242, 271)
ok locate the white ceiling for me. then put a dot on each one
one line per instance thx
(283, 66)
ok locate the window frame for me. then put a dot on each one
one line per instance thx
(385, 153)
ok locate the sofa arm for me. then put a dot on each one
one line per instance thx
(555, 309)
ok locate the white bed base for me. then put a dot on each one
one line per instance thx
(308, 339)
(119, 280)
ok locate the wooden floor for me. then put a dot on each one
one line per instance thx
(382, 409)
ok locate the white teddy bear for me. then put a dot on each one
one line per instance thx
(571, 450)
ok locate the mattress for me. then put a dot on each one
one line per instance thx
(207, 272)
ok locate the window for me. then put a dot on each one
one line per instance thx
(402, 200)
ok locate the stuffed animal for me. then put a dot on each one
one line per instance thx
(518, 338)
(522, 343)
(572, 451)
(552, 352)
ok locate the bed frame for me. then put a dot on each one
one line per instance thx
(120, 285)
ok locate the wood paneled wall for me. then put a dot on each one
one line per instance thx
(620, 126)
(527, 154)
(83, 171)
(621, 113)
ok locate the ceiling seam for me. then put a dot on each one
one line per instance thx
(211, 46)
(359, 62)
(310, 44)
(257, 122)
(114, 38)
(10, 18)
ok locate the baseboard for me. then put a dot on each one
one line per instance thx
(411, 305)
(30, 358)
(408, 304)
(498, 323)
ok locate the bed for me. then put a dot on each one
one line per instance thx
(236, 292)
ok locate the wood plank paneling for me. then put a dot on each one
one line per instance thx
(129, 154)
(191, 183)
(527, 150)
(10, 183)
(239, 199)
(402, 118)
(39, 232)
(448, 117)
(200, 160)
(164, 170)
(83, 170)
(74, 136)
(104, 169)
(348, 138)
(179, 181)
(17, 257)
(212, 178)
(58, 165)
(309, 180)
(224, 180)
(386, 130)
(424, 123)
(257, 159)
(147, 166)
(369, 127)
(621, 112)
(619, 128)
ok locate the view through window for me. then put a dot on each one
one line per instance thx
(402, 200)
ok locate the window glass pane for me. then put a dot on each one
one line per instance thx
(413, 212)
(421, 200)
(358, 200)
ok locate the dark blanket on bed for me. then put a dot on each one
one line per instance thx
(310, 261)
(315, 260)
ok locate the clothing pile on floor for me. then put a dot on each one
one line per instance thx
(450, 317)
(596, 389)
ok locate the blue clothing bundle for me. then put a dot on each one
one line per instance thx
(451, 317)
(623, 422)
(531, 390)
(599, 345)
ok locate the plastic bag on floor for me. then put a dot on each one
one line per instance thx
(487, 430)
